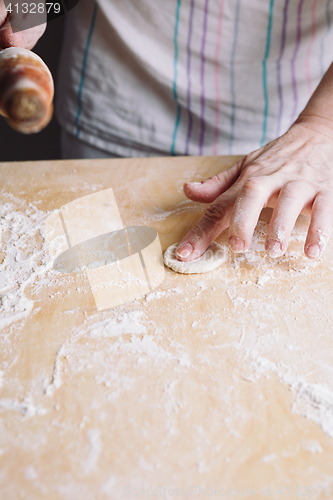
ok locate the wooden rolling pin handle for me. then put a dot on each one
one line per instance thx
(26, 90)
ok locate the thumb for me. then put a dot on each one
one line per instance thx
(26, 39)
(213, 222)
(210, 189)
(18, 29)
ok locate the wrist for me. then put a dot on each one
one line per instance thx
(316, 123)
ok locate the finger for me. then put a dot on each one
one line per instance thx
(26, 39)
(320, 225)
(19, 29)
(214, 221)
(6, 35)
(251, 199)
(208, 190)
(3, 13)
(290, 202)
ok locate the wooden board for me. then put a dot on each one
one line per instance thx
(220, 382)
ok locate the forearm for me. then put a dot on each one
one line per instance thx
(319, 110)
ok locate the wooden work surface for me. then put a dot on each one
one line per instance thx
(221, 380)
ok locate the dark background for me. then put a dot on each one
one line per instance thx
(46, 144)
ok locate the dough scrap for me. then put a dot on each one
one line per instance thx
(214, 256)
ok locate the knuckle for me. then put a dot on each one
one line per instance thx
(215, 178)
(199, 232)
(213, 214)
(295, 189)
(324, 207)
(301, 169)
(254, 185)
(325, 198)
(250, 171)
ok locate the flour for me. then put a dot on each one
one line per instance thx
(182, 207)
(222, 336)
(26, 408)
(24, 257)
(30, 473)
(313, 401)
(281, 235)
(312, 446)
(147, 345)
(164, 293)
(323, 239)
(124, 323)
(57, 380)
(263, 279)
(95, 443)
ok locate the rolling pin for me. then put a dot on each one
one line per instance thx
(26, 90)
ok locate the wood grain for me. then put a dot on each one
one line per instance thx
(194, 385)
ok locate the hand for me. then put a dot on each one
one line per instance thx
(293, 175)
(26, 39)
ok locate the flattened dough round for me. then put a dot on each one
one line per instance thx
(214, 256)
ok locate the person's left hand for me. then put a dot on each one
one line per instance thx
(26, 38)
(293, 175)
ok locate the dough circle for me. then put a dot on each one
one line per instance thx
(214, 256)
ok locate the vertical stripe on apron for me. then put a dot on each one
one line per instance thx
(202, 79)
(308, 54)
(175, 95)
(264, 71)
(83, 71)
(293, 61)
(190, 117)
(322, 43)
(217, 89)
(232, 78)
(282, 47)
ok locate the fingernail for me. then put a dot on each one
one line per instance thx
(313, 250)
(196, 183)
(184, 250)
(274, 248)
(236, 244)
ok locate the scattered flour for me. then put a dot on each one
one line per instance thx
(24, 257)
(312, 446)
(26, 407)
(95, 443)
(30, 473)
(164, 293)
(268, 458)
(313, 401)
(263, 279)
(251, 326)
(183, 207)
(125, 322)
(56, 381)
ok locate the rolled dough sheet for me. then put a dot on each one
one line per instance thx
(214, 256)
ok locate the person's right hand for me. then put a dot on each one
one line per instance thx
(26, 39)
